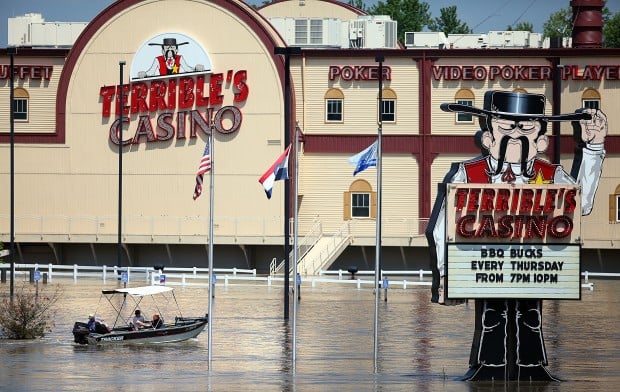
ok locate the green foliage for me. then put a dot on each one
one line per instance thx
(411, 15)
(611, 32)
(559, 23)
(521, 26)
(449, 22)
(29, 315)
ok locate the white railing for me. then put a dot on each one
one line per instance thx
(303, 247)
(49, 272)
(195, 276)
(346, 274)
(161, 228)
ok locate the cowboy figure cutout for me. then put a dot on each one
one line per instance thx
(508, 342)
(170, 62)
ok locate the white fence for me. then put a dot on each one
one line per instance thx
(195, 276)
(147, 275)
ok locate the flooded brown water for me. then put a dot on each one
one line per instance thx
(422, 347)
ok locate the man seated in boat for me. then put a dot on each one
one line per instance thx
(138, 320)
(157, 322)
(97, 325)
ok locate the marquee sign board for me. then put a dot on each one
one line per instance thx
(513, 241)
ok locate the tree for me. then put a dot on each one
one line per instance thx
(522, 26)
(611, 32)
(411, 15)
(449, 22)
(29, 314)
(560, 24)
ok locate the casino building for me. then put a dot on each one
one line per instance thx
(225, 78)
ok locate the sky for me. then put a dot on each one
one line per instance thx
(482, 16)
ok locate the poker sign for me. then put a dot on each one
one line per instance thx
(513, 241)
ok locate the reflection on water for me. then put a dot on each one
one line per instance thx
(422, 347)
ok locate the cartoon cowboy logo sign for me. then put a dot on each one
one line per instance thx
(168, 55)
(508, 332)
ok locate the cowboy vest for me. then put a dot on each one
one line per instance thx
(478, 170)
(163, 70)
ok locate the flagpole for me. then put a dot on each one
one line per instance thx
(380, 60)
(211, 286)
(295, 250)
(119, 245)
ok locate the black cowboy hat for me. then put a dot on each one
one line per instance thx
(169, 42)
(513, 106)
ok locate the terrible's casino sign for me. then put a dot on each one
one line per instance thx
(513, 241)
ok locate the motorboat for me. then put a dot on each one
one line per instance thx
(125, 301)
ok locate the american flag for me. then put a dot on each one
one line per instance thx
(204, 167)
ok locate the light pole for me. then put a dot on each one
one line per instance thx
(119, 250)
(557, 109)
(12, 50)
(380, 60)
(287, 52)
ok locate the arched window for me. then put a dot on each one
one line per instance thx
(334, 100)
(360, 201)
(591, 99)
(465, 97)
(388, 99)
(20, 104)
(614, 206)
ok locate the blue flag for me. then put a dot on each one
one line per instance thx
(365, 159)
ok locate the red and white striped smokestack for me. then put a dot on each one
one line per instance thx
(587, 23)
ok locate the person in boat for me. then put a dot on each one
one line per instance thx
(91, 322)
(97, 325)
(157, 322)
(138, 319)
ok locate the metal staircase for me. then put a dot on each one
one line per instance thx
(317, 251)
(304, 245)
(325, 251)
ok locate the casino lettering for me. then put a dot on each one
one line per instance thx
(514, 213)
(164, 96)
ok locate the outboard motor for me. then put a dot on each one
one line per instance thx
(80, 332)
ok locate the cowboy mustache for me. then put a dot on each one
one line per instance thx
(525, 150)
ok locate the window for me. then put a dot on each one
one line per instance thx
(465, 117)
(334, 99)
(360, 201)
(464, 97)
(388, 100)
(333, 108)
(360, 205)
(614, 206)
(20, 105)
(591, 103)
(591, 99)
(389, 110)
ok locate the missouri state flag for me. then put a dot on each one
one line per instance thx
(277, 171)
(365, 159)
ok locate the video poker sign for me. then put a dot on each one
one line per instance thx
(513, 241)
